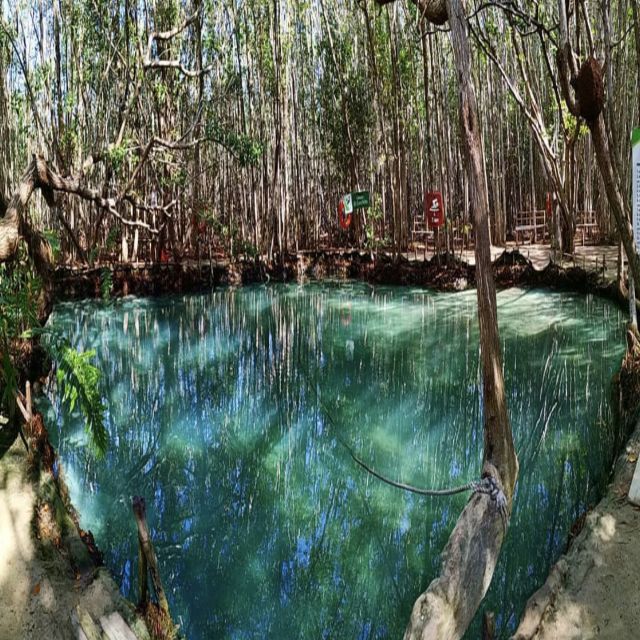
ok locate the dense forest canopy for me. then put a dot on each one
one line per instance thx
(239, 125)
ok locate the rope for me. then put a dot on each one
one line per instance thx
(487, 486)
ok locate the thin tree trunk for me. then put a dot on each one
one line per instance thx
(447, 607)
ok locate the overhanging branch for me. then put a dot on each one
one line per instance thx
(40, 175)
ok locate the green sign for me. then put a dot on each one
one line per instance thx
(361, 199)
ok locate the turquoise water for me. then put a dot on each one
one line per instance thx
(224, 411)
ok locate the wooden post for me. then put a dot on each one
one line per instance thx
(142, 575)
(146, 546)
(488, 626)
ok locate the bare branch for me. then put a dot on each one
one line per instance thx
(149, 62)
(174, 64)
(172, 33)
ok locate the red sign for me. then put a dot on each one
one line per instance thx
(434, 209)
(345, 220)
(549, 204)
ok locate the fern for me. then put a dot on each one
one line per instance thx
(79, 381)
(8, 382)
(19, 291)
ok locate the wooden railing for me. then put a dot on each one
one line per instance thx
(421, 232)
(532, 224)
(587, 226)
(459, 235)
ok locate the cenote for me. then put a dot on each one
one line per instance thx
(226, 411)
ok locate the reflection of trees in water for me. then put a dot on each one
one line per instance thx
(215, 418)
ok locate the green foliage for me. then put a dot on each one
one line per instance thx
(374, 216)
(117, 155)
(53, 238)
(69, 139)
(572, 125)
(229, 234)
(244, 247)
(79, 384)
(19, 292)
(8, 383)
(112, 238)
(78, 379)
(176, 178)
(346, 101)
(106, 284)
(246, 149)
(161, 91)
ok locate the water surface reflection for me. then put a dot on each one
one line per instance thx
(218, 415)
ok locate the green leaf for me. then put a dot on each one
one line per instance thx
(79, 382)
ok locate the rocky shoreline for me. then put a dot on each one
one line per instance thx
(442, 273)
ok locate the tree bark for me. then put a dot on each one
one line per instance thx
(583, 93)
(447, 607)
(614, 197)
(498, 441)
(11, 223)
(15, 225)
(144, 539)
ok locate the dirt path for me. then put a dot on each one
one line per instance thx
(593, 591)
(590, 257)
(39, 593)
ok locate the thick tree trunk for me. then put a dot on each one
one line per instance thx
(15, 225)
(614, 197)
(498, 440)
(11, 225)
(583, 92)
(448, 605)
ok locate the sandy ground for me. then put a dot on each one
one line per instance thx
(594, 591)
(38, 591)
(587, 256)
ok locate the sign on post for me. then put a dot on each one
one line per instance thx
(361, 199)
(635, 173)
(348, 204)
(548, 204)
(434, 209)
(345, 211)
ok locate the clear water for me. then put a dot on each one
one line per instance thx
(224, 411)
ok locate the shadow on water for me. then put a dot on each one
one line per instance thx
(226, 412)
